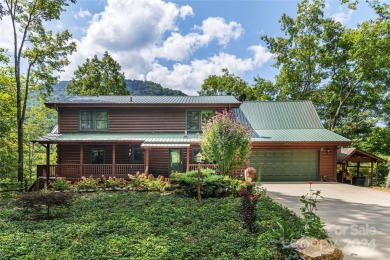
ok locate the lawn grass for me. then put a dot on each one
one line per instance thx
(120, 225)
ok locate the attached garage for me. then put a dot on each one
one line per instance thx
(287, 165)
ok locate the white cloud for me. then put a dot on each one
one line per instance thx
(7, 35)
(342, 17)
(189, 77)
(82, 14)
(217, 28)
(142, 34)
(186, 11)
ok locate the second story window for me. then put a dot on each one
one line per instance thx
(93, 120)
(196, 118)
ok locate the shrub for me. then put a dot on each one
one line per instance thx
(247, 210)
(147, 182)
(87, 184)
(112, 182)
(60, 184)
(212, 185)
(35, 201)
(226, 141)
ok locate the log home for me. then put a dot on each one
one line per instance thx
(118, 135)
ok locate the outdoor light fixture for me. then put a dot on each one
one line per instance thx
(129, 150)
(198, 157)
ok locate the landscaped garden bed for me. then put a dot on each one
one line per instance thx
(107, 225)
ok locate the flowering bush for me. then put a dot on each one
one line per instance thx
(147, 182)
(112, 182)
(247, 210)
(226, 141)
(87, 184)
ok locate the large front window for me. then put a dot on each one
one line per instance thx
(93, 120)
(196, 118)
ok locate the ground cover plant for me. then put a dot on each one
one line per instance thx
(145, 225)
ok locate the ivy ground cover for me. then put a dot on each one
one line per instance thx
(119, 225)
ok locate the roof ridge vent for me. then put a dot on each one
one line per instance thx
(131, 99)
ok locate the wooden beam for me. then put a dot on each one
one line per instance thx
(47, 165)
(372, 174)
(188, 160)
(81, 160)
(113, 159)
(146, 160)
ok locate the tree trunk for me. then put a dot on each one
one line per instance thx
(388, 180)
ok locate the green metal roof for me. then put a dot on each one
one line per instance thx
(298, 135)
(289, 121)
(146, 100)
(281, 115)
(118, 137)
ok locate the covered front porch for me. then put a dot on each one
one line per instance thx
(115, 155)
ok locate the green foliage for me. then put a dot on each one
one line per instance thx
(247, 210)
(147, 182)
(313, 226)
(226, 141)
(343, 71)
(36, 64)
(212, 185)
(98, 77)
(119, 225)
(227, 84)
(60, 184)
(87, 184)
(383, 173)
(34, 201)
(112, 182)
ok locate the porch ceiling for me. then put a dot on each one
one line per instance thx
(119, 137)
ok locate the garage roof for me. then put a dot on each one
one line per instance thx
(287, 121)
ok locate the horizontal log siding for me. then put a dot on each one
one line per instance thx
(158, 161)
(68, 120)
(122, 120)
(147, 120)
(328, 163)
(68, 154)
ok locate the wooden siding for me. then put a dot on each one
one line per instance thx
(68, 120)
(130, 120)
(162, 120)
(328, 163)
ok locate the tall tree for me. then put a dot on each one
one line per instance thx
(343, 71)
(226, 84)
(38, 53)
(98, 77)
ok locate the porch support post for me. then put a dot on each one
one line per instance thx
(188, 159)
(147, 160)
(81, 160)
(343, 171)
(113, 159)
(47, 165)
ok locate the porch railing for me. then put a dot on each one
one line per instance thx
(204, 166)
(72, 171)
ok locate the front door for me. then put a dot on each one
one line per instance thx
(175, 160)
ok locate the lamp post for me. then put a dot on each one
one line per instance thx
(198, 158)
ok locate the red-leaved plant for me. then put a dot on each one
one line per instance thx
(247, 210)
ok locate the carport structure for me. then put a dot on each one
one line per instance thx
(356, 160)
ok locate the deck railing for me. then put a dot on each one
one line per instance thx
(213, 167)
(72, 171)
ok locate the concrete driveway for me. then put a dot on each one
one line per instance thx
(356, 218)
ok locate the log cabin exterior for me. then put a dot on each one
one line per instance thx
(118, 135)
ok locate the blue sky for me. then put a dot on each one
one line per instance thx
(179, 43)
